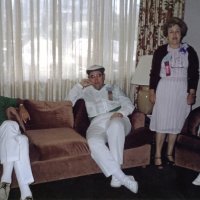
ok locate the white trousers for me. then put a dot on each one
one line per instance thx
(102, 130)
(14, 153)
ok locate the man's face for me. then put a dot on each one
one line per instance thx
(97, 79)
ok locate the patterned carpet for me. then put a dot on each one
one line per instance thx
(171, 183)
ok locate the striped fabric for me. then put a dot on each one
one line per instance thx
(170, 109)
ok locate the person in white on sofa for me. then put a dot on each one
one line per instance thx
(107, 108)
(14, 151)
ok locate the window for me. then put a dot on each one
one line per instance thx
(50, 44)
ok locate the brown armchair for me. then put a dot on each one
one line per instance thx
(187, 150)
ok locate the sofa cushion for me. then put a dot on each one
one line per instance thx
(48, 114)
(57, 142)
(81, 120)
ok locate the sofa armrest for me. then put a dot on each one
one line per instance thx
(81, 120)
(12, 114)
(188, 141)
(140, 134)
(137, 119)
(192, 123)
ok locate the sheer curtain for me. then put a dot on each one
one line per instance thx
(46, 45)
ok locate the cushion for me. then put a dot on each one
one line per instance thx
(48, 114)
(57, 142)
(81, 120)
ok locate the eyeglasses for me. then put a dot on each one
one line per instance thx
(92, 76)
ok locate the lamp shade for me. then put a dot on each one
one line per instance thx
(142, 71)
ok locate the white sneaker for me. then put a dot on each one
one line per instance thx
(115, 182)
(4, 190)
(196, 181)
(131, 184)
(28, 198)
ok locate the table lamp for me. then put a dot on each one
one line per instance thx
(140, 79)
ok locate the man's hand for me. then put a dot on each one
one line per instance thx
(85, 82)
(23, 113)
(13, 114)
(114, 115)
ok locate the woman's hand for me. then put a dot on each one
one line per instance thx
(191, 98)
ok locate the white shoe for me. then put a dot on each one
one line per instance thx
(196, 180)
(115, 182)
(131, 184)
(4, 190)
(28, 198)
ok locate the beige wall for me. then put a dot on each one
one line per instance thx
(192, 18)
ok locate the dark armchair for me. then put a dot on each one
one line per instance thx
(187, 151)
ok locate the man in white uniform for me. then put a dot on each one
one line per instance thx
(14, 151)
(108, 108)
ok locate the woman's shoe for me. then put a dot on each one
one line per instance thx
(170, 160)
(158, 162)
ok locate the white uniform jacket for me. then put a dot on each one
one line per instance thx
(109, 98)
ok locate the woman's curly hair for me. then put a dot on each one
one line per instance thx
(175, 21)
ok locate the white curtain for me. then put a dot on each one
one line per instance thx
(46, 45)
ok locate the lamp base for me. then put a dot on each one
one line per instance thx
(143, 103)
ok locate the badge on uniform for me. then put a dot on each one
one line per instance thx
(110, 93)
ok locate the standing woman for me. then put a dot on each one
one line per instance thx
(173, 82)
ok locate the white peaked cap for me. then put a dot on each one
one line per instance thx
(95, 68)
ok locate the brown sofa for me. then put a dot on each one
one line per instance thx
(187, 150)
(58, 148)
